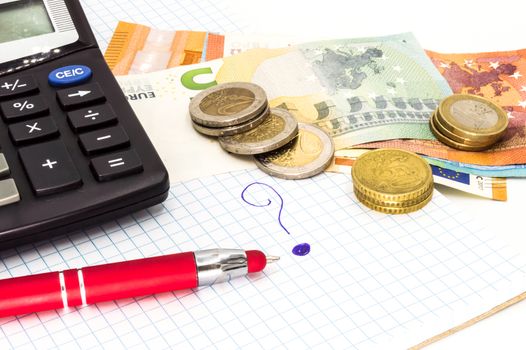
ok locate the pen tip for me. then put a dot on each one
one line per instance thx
(272, 258)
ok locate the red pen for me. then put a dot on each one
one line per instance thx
(89, 285)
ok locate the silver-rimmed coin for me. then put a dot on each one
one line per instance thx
(233, 130)
(228, 104)
(279, 128)
(308, 154)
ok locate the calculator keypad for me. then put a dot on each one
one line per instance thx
(48, 163)
(50, 168)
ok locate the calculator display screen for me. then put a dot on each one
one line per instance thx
(23, 19)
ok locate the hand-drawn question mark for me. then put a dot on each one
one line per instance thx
(300, 249)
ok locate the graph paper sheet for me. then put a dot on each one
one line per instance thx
(369, 278)
(209, 15)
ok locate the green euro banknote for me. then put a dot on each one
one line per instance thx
(358, 90)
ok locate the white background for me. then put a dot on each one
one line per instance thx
(443, 26)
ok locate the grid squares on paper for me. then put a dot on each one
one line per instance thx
(368, 275)
(213, 16)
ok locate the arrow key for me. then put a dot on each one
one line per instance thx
(80, 96)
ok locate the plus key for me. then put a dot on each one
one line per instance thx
(49, 168)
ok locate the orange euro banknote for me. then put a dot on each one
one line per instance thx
(135, 48)
(499, 76)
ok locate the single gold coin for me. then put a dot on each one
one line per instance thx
(479, 142)
(391, 175)
(308, 154)
(472, 117)
(228, 104)
(448, 142)
(393, 210)
(279, 128)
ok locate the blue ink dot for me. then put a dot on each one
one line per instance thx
(301, 249)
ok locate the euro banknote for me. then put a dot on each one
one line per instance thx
(358, 90)
(483, 186)
(515, 170)
(499, 76)
(136, 48)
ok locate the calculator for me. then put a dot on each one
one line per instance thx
(72, 151)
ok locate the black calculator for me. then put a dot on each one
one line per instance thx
(72, 151)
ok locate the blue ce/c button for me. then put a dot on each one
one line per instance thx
(69, 75)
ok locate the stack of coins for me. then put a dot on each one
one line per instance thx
(239, 114)
(468, 122)
(229, 109)
(392, 181)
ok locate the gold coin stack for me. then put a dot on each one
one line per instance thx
(392, 181)
(468, 122)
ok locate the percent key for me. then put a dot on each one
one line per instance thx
(23, 108)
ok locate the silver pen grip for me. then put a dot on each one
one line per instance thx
(220, 265)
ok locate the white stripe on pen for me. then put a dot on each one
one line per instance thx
(82, 287)
(63, 291)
